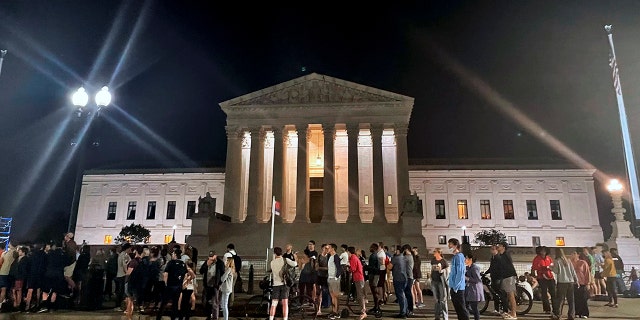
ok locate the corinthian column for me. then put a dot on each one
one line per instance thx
(278, 167)
(402, 161)
(353, 130)
(302, 178)
(328, 181)
(232, 173)
(256, 175)
(378, 174)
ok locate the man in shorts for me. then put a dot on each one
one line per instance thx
(335, 271)
(323, 274)
(509, 281)
(280, 290)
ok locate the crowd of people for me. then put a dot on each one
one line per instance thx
(148, 278)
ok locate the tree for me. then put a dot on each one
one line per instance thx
(490, 237)
(134, 233)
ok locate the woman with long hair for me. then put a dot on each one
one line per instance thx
(581, 293)
(439, 268)
(567, 278)
(226, 286)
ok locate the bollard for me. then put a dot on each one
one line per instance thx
(250, 284)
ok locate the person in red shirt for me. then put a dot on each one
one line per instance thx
(541, 269)
(357, 274)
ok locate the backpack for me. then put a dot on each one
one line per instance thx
(237, 261)
(288, 275)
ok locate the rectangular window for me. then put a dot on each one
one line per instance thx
(440, 212)
(463, 213)
(131, 211)
(485, 209)
(508, 209)
(191, 209)
(442, 239)
(535, 241)
(532, 210)
(560, 241)
(511, 240)
(111, 212)
(151, 210)
(108, 239)
(556, 214)
(171, 210)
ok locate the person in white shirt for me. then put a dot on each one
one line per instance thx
(522, 281)
(280, 290)
(231, 251)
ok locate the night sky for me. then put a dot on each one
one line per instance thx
(169, 64)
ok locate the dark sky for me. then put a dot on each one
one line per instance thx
(169, 64)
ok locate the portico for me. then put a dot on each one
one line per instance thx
(327, 149)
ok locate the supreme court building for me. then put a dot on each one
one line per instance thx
(334, 155)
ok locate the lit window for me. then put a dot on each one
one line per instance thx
(532, 210)
(556, 214)
(463, 213)
(366, 199)
(560, 241)
(389, 200)
(108, 239)
(485, 209)
(511, 240)
(508, 209)
(167, 238)
(442, 239)
(111, 212)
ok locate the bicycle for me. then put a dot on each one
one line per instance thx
(301, 306)
(524, 300)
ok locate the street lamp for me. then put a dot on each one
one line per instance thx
(80, 99)
(173, 237)
(620, 225)
(466, 246)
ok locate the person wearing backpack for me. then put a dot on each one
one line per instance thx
(173, 277)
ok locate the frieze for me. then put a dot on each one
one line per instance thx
(316, 91)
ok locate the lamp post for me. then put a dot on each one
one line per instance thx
(465, 246)
(2, 54)
(80, 99)
(173, 237)
(621, 235)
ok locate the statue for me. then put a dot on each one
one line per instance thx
(410, 206)
(206, 205)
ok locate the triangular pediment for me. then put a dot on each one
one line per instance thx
(316, 89)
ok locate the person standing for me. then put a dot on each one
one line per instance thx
(541, 269)
(226, 286)
(474, 291)
(567, 278)
(308, 275)
(132, 281)
(212, 271)
(36, 271)
(231, 254)
(609, 271)
(399, 274)
(619, 264)
(173, 276)
(456, 279)
(374, 278)
(322, 285)
(280, 290)
(111, 271)
(335, 273)
(6, 260)
(496, 273)
(408, 288)
(123, 260)
(439, 270)
(510, 279)
(417, 276)
(357, 274)
(581, 291)
(54, 281)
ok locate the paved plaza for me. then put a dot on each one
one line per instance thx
(629, 309)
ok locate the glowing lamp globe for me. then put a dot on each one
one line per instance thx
(103, 97)
(80, 98)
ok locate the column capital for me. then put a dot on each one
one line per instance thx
(401, 129)
(234, 132)
(258, 132)
(376, 130)
(353, 128)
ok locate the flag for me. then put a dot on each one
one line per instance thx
(614, 74)
(275, 207)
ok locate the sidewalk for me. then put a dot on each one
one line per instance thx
(629, 309)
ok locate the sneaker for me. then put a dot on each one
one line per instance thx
(362, 316)
(43, 310)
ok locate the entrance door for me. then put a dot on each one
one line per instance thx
(315, 206)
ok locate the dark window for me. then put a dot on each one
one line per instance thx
(191, 209)
(535, 241)
(463, 212)
(151, 210)
(511, 240)
(171, 210)
(556, 214)
(440, 212)
(131, 211)
(485, 209)
(442, 239)
(532, 210)
(508, 209)
(111, 212)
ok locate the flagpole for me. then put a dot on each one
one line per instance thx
(270, 249)
(626, 137)
(2, 54)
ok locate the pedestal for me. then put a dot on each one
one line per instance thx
(628, 246)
